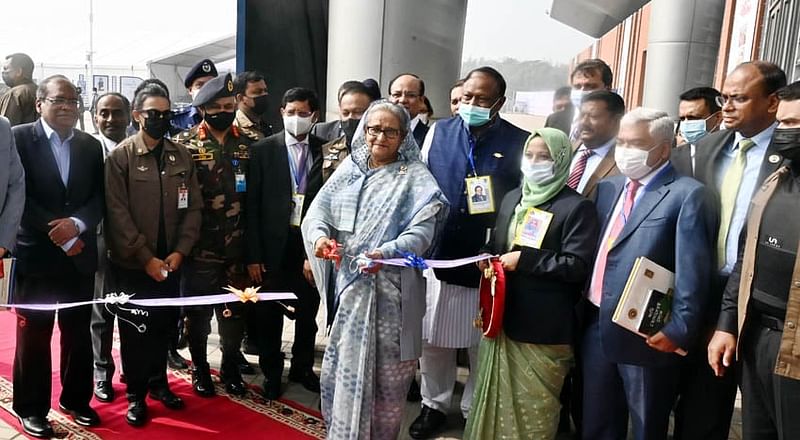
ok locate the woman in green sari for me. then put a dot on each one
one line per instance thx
(545, 235)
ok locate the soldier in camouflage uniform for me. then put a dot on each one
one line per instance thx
(220, 156)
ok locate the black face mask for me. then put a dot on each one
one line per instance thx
(787, 142)
(156, 128)
(220, 121)
(260, 104)
(349, 127)
(7, 79)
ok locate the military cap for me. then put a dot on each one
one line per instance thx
(219, 87)
(205, 67)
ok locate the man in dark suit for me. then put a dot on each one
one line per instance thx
(588, 76)
(353, 102)
(699, 113)
(285, 176)
(563, 110)
(653, 212)
(408, 90)
(57, 257)
(733, 163)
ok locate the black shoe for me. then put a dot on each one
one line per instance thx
(137, 413)
(168, 398)
(202, 384)
(103, 391)
(428, 423)
(36, 426)
(413, 392)
(244, 366)
(272, 389)
(84, 416)
(235, 387)
(307, 379)
(175, 361)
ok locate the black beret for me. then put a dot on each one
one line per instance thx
(205, 67)
(219, 87)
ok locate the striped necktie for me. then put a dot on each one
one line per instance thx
(728, 194)
(580, 166)
(596, 286)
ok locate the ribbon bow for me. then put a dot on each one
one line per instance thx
(413, 260)
(332, 253)
(248, 294)
(117, 298)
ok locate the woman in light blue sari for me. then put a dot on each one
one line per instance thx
(381, 202)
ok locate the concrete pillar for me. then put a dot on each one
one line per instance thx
(381, 39)
(682, 49)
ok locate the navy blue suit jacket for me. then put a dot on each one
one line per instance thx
(47, 198)
(668, 225)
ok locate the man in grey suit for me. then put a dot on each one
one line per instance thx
(12, 189)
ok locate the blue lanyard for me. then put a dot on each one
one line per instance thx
(298, 175)
(470, 157)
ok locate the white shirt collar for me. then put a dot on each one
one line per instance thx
(600, 151)
(48, 131)
(414, 123)
(291, 140)
(108, 144)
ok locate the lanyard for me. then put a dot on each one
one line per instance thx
(470, 153)
(298, 174)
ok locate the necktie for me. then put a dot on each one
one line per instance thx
(596, 288)
(577, 172)
(728, 194)
(301, 154)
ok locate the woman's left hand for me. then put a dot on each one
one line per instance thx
(510, 261)
(373, 267)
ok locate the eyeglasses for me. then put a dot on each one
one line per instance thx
(735, 99)
(155, 114)
(390, 133)
(61, 102)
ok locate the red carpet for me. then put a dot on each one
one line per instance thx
(250, 417)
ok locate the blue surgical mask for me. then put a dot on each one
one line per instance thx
(693, 130)
(475, 115)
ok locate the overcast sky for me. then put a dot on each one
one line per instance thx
(133, 32)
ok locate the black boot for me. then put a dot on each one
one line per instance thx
(202, 384)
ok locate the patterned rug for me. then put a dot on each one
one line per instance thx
(250, 416)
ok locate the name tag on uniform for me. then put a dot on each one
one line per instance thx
(241, 183)
(297, 209)
(183, 196)
(533, 228)
(479, 195)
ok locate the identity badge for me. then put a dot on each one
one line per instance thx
(533, 228)
(297, 209)
(241, 183)
(183, 196)
(480, 199)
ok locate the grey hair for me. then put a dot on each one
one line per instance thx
(660, 125)
(41, 91)
(397, 110)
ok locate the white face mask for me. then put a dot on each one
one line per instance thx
(632, 162)
(576, 96)
(297, 126)
(537, 172)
